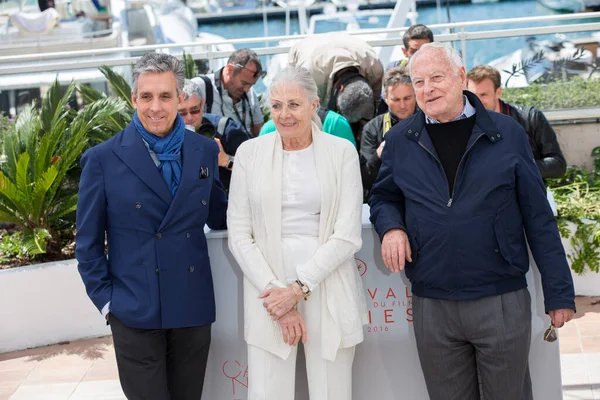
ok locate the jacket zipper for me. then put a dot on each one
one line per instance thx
(449, 203)
(442, 167)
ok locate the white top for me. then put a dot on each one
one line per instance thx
(300, 194)
(300, 212)
(224, 105)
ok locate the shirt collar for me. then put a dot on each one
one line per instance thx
(468, 111)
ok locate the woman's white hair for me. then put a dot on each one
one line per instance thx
(452, 56)
(300, 77)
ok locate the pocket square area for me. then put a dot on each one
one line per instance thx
(204, 172)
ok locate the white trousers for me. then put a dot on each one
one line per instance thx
(272, 378)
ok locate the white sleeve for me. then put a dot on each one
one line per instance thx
(239, 227)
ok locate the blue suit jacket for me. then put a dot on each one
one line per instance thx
(157, 272)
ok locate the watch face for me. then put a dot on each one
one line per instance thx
(230, 164)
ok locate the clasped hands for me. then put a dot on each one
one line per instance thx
(280, 303)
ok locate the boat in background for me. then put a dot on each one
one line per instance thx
(571, 6)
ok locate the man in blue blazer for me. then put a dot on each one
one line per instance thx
(148, 192)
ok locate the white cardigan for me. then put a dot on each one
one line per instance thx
(254, 230)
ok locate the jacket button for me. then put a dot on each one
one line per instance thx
(156, 271)
(203, 202)
(409, 131)
(493, 138)
(138, 205)
(191, 268)
(498, 135)
(187, 235)
(496, 250)
(159, 235)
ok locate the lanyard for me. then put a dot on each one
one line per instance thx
(244, 100)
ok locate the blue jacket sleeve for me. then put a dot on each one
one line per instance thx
(91, 229)
(217, 212)
(542, 232)
(387, 200)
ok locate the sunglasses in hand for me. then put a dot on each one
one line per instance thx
(550, 334)
(193, 111)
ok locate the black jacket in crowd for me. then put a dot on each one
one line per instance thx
(371, 139)
(542, 138)
(231, 139)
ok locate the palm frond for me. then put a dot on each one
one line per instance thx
(54, 106)
(189, 66)
(40, 190)
(10, 199)
(34, 240)
(118, 84)
(90, 94)
(62, 208)
(22, 184)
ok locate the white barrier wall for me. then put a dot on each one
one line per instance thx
(386, 365)
(46, 304)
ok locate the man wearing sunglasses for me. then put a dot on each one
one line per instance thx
(227, 133)
(232, 93)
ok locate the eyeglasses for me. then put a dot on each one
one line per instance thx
(193, 111)
(550, 334)
(255, 74)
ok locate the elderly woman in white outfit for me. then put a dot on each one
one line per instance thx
(294, 223)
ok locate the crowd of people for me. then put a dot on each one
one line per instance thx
(453, 178)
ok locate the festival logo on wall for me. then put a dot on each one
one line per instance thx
(236, 373)
(386, 303)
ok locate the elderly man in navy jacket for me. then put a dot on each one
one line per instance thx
(149, 191)
(457, 199)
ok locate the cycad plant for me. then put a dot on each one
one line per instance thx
(35, 193)
(98, 100)
(190, 68)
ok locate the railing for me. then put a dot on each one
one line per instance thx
(44, 62)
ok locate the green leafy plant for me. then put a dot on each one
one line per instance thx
(189, 66)
(577, 197)
(11, 246)
(6, 126)
(572, 93)
(120, 107)
(35, 192)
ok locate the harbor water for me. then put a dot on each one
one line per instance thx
(478, 51)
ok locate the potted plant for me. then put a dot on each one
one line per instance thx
(577, 197)
(39, 178)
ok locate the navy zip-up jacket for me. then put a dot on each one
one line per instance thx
(471, 243)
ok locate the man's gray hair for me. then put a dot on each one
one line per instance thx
(355, 102)
(395, 76)
(157, 63)
(191, 88)
(242, 57)
(452, 56)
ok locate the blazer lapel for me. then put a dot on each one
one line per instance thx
(134, 153)
(270, 195)
(192, 157)
(327, 182)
